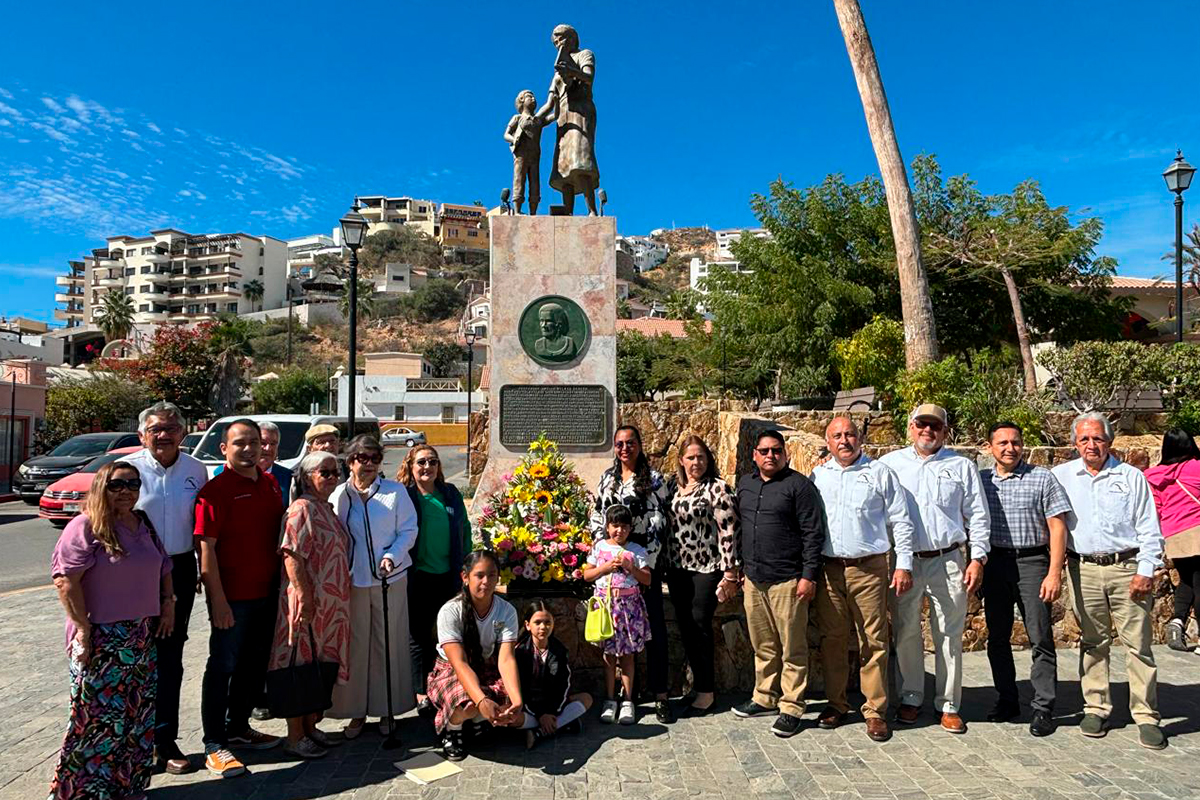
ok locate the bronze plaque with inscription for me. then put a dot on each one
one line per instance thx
(569, 415)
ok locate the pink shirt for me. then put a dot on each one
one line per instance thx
(115, 588)
(1176, 510)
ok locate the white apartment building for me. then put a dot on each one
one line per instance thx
(175, 276)
(391, 213)
(398, 278)
(303, 251)
(700, 269)
(646, 252)
(727, 237)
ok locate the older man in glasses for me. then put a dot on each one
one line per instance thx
(783, 531)
(948, 510)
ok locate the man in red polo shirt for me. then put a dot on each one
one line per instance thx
(237, 522)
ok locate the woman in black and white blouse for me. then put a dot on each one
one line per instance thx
(702, 560)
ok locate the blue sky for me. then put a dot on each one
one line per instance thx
(266, 117)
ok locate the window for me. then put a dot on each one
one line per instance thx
(421, 209)
(144, 289)
(398, 413)
(472, 233)
(447, 413)
(130, 271)
(145, 270)
(398, 277)
(232, 308)
(128, 290)
(144, 307)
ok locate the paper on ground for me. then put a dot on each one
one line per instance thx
(426, 768)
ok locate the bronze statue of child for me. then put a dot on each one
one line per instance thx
(524, 137)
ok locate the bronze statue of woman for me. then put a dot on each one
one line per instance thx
(570, 102)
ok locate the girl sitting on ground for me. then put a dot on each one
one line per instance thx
(476, 671)
(545, 671)
(623, 564)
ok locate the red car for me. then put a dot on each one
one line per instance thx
(64, 498)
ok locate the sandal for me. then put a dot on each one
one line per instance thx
(353, 731)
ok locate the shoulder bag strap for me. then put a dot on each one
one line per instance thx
(1185, 491)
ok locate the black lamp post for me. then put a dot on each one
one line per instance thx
(470, 338)
(1179, 177)
(354, 230)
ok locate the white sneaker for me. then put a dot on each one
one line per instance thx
(628, 715)
(609, 713)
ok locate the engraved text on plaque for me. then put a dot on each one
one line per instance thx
(569, 415)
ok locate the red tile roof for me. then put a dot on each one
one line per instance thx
(653, 326)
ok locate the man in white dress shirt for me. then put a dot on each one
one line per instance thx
(948, 509)
(862, 497)
(170, 481)
(1114, 544)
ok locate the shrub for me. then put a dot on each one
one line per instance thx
(943, 382)
(1187, 416)
(80, 405)
(1090, 374)
(873, 356)
(293, 392)
(995, 393)
(1181, 369)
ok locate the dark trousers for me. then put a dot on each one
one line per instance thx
(694, 595)
(236, 669)
(656, 648)
(1009, 581)
(427, 593)
(170, 650)
(1187, 593)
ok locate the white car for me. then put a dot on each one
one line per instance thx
(292, 427)
(407, 436)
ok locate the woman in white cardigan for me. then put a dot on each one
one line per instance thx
(383, 526)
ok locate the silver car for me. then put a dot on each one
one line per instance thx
(406, 436)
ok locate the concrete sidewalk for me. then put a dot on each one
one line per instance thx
(713, 757)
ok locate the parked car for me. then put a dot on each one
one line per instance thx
(406, 435)
(292, 428)
(39, 472)
(190, 441)
(64, 498)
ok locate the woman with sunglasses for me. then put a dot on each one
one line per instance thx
(314, 597)
(632, 483)
(443, 540)
(114, 580)
(383, 527)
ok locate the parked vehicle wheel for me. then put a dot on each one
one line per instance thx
(59, 523)
(31, 501)
(408, 443)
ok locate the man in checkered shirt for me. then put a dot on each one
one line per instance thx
(1028, 509)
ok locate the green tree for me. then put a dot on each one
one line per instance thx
(179, 366)
(293, 392)
(328, 262)
(230, 343)
(436, 299)
(442, 355)
(98, 402)
(406, 246)
(254, 292)
(635, 358)
(873, 356)
(365, 301)
(682, 304)
(115, 317)
(1092, 375)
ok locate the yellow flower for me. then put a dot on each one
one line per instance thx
(543, 497)
(520, 470)
(539, 471)
(506, 575)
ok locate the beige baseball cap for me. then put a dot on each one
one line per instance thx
(320, 430)
(930, 411)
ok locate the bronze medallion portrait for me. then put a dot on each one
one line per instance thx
(554, 331)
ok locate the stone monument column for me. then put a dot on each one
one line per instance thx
(553, 342)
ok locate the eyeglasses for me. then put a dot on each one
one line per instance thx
(769, 451)
(932, 424)
(126, 484)
(364, 458)
(427, 462)
(157, 429)
(329, 473)
(629, 444)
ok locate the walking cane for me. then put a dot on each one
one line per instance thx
(391, 742)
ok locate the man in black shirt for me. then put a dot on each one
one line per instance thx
(783, 530)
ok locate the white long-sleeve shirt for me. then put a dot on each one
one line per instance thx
(945, 499)
(389, 514)
(1111, 512)
(861, 500)
(168, 496)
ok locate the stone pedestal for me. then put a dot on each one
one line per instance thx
(572, 258)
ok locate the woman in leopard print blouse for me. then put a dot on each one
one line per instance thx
(702, 560)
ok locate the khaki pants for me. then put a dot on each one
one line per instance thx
(941, 580)
(778, 623)
(855, 598)
(365, 694)
(1100, 597)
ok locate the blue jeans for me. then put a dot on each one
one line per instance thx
(236, 669)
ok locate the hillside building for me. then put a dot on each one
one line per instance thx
(727, 237)
(646, 252)
(392, 213)
(461, 229)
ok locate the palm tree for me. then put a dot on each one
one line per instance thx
(230, 341)
(115, 317)
(253, 291)
(366, 299)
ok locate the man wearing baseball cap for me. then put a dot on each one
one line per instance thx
(948, 509)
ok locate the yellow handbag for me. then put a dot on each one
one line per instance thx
(599, 624)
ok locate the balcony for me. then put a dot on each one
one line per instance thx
(157, 258)
(68, 314)
(226, 254)
(151, 316)
(156, 290)
(69, 280)
(110, 281)
(108, 263)
(67, 297)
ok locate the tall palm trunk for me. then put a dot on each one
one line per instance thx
(1014, 297)
(920, 333)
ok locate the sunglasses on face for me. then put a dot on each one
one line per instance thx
(364, 458)
(625, 445)
(427, 462)
(329, 473)
(932, 424)
(123, 484)
(769, 451)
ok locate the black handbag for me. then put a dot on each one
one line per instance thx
(299, 690)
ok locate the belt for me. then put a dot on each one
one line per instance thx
(1103, 559)
(936, 553)
(1022, 552)
(852, 562)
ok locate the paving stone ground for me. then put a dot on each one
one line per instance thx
(714, 757)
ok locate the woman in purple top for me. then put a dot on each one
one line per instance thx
(114, 580)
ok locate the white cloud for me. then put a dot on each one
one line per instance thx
(12, 112)
(6, 94)
(27, 271)
(153, 127)
(52, 105)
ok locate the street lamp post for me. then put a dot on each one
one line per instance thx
(354, 229)
(470, 338)
(1179, 177)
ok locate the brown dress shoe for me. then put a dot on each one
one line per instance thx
(907, 715)
(953, 723)
(171, 760)
(877, 729)
(831, 718)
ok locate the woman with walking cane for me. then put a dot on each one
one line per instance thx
(383, 527)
